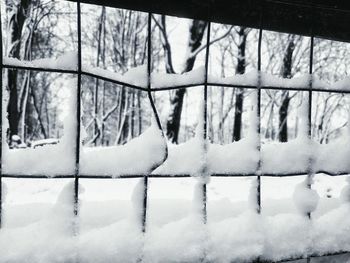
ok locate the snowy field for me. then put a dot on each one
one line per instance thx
(38, 221)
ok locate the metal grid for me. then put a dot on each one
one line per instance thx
(79, 72)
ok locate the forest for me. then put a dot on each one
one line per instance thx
(116, 40)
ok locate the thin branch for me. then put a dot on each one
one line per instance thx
(194, 54)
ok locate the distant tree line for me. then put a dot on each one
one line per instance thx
(116, 40)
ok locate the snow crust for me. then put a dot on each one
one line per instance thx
(270, 80)
(139, 156)
(67, 61)
(249, 79)
(241, 156)
(189, 157)
(138, 76)
(193, 157)
(290, 157)
(294, 156)
(184, 158)
(163, 80)
(135, 76)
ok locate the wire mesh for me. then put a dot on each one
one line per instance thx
(79, 72)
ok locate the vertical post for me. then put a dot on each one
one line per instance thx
(1, 88)
(149, 70)
(258, 112)
(144, 203)
(205, 123)
(77, 146)
(310, 168)
(156, 116)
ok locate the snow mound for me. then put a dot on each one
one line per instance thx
(270, 80)
(164, 80)
(237, 157)
(135, 76)
(305, 198)
(67, 61)
(139, 156)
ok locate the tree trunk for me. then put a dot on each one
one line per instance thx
(240, 69)
(15, 28)
(196, 33)
(286, 73)
(97, 132)
(237, 124)
(283, 113)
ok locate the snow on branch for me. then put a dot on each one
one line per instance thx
(201, 48)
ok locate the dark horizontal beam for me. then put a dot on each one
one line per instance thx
(324, 18)
(315, 256)
(83, 176)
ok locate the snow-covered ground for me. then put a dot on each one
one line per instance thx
(41, 210)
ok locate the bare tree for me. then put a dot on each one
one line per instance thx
(286, 72)
(18, 13)
(196, 32)
(240, 69)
